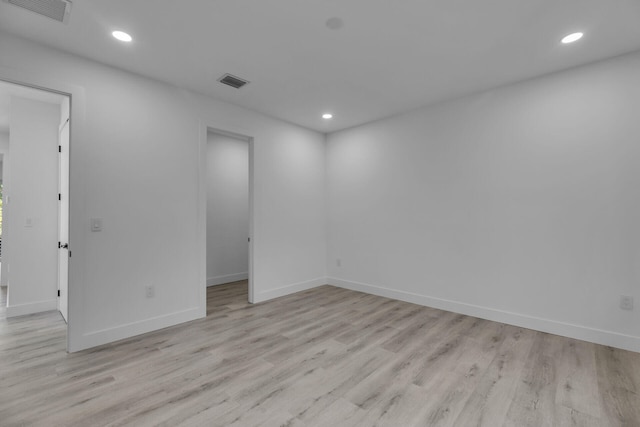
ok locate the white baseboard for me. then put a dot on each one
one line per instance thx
(598, 336)
(227, 278)
(105, 336)
(289, 289)
(31, 308)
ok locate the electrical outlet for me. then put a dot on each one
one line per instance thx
(338, 262)
(150, 291)
(626, 302)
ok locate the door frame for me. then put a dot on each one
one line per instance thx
(76, 95)
(235, 132)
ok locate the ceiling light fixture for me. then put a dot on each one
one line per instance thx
(574, 37)
(122, 36)
(327, 116)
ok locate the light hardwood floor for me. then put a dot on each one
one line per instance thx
(323, 357)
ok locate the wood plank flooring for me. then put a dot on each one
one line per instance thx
(323, 357)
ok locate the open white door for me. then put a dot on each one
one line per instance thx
(63, 217)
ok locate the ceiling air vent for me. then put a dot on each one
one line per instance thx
(232, 81)
(54, 9)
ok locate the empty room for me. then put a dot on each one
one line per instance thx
(320, 213)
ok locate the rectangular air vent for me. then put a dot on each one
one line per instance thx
(54, 9)
(232, 81)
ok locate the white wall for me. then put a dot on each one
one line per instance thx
(30, 214)
(227, 209)
(4, 150)
(135, 163)
(520, 204)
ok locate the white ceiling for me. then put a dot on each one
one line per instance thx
(389, 57)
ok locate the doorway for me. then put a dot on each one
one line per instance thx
(227, 212)
(34, 128)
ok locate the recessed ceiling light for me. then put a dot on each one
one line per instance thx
(327, 116)
(122, 36)
(574, 37)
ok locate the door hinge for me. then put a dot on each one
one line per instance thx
(59, 245)
(249, 239)
(59, 196)
(58, 293)
(69, 254)
(59, 148)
